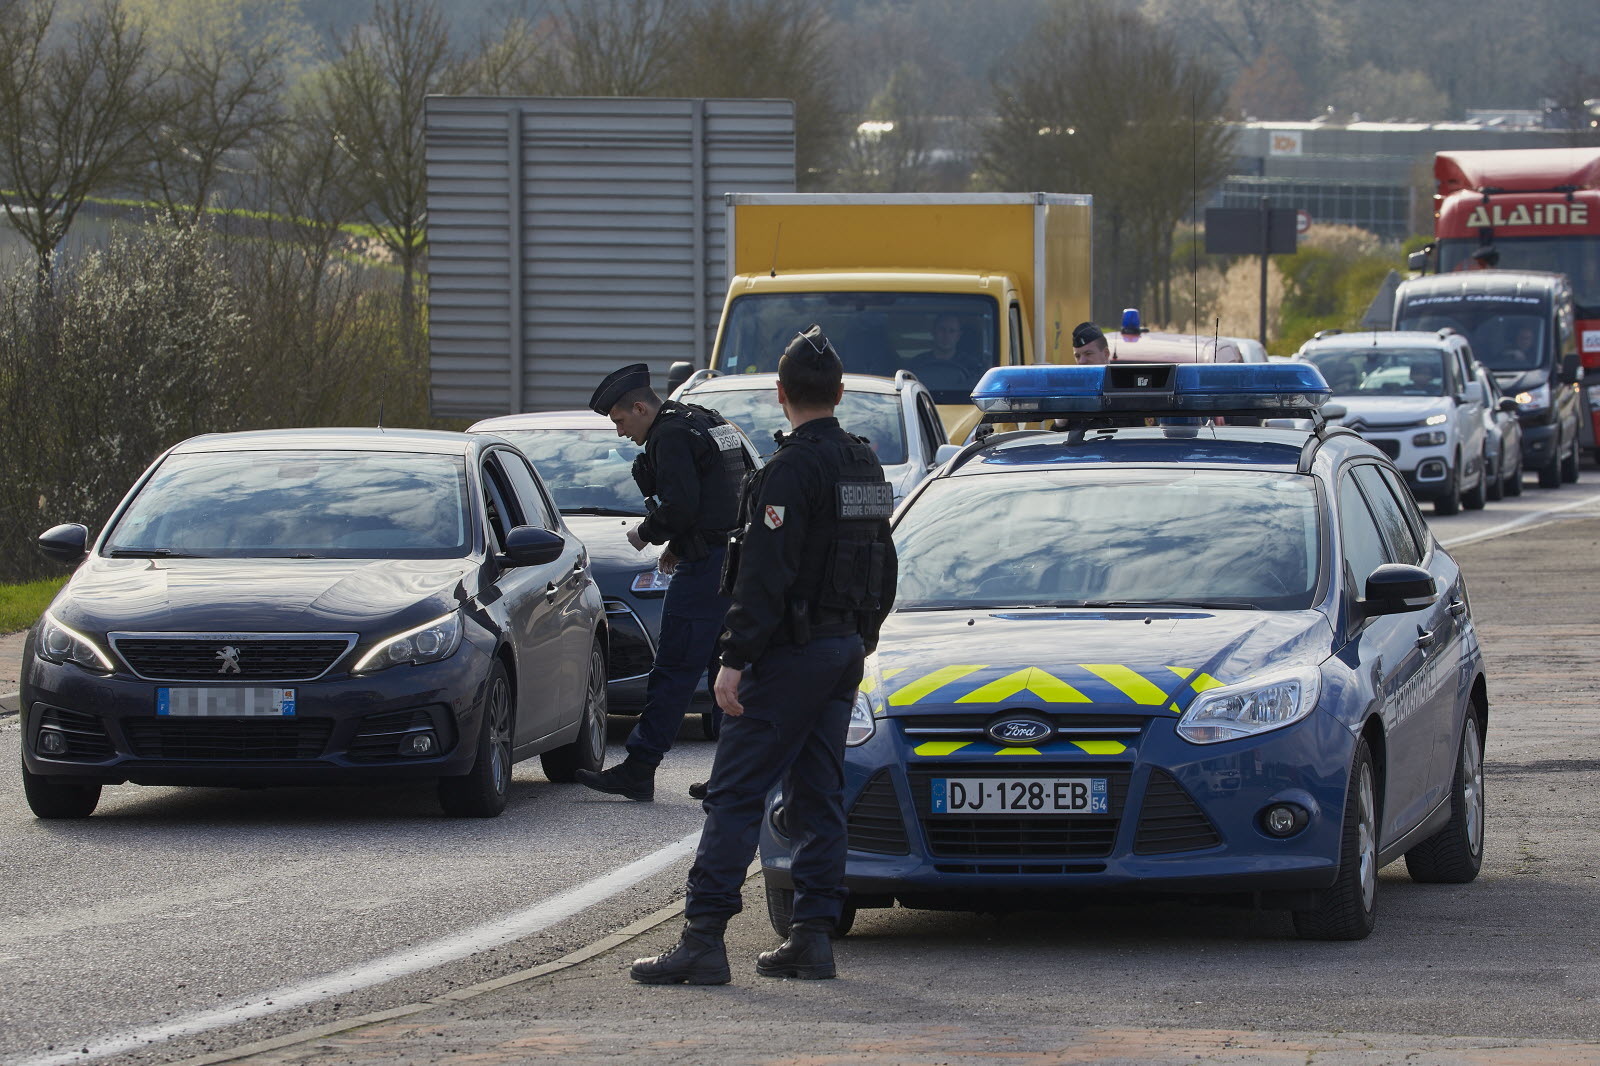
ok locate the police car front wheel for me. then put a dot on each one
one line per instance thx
(780, 910)
(1348, 909)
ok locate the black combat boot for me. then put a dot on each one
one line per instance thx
(807, 954)
(698, 958)
(630, 778)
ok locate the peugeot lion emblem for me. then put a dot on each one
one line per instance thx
(230, 660)
(1020, 731)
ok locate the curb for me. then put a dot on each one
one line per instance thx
(10, 703)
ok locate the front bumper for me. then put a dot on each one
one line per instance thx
(1184, 819)
(344, 731)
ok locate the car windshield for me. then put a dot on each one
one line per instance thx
(1372, 371)
(1065, 538)
(1504, 335)
(947, 340)
(299, 504)
(588, 471)
(873, 415)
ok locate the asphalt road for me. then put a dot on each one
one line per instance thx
(172, 905)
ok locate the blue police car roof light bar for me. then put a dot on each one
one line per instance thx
(1032, 393)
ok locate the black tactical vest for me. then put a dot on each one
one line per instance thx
(720, 461)
(842, 566)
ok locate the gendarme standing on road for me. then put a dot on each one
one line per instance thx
(812, 573)
(690, 474)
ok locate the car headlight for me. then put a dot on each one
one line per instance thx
(651, 582)
(63, 644)
(1536, 399)
(1436, 420)
(862, 722)
(1430, 439)
(1250, 707)
(428, 643)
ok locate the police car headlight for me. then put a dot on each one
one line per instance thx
(1251, 707)
(427, 643)
(862, 723)
(62, 644)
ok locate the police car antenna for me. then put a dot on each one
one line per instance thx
(776, 237)
(380, 414)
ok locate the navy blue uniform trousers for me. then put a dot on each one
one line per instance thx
(691, 621)
(797, 702)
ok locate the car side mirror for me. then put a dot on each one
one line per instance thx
(67, 543)
(1418, 260)
(677, 374)
(1334, 411)
(532, 546)
(946, 453)
(1571, 372)
(1510, 406)
(1396, 588)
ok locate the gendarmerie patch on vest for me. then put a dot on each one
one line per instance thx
(865, 499)
(726, 436)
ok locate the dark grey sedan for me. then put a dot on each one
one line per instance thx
(318, 607)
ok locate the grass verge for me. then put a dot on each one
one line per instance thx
(21, 605)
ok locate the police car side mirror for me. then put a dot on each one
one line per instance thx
(532, 546)
(677, 374)
(946, 453)
(67, 543)
(1334, 411)
(1397, 588)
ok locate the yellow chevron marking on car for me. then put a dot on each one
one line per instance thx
(1100, 747)
(1174, 708)
(1016, 751)
(1046, 686)
(1132, 685)
(941, 747)
(941, 677)
(1204, 682)
(1181, 671)
(869, 682)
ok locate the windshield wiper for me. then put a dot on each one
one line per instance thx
(609, 512)
(148, 553)
(1226, 605)
(953, 605)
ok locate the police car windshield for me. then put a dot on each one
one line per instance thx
(874, 415)
(1372, 371)
(588, 471)
(1068, 538)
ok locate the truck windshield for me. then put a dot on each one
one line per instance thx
(946, 340)
(1505, 334)
(1576, 256)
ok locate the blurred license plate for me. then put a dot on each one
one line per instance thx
(225, 702)
(1020, 795)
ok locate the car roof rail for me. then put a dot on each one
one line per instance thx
(1321, 333)
(1446, 331)
(704, 374)
(1321, 433)
(902, 378)
(984, 440)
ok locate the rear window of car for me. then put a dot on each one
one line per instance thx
(878, 416)
(1062, 538)
(299, 504)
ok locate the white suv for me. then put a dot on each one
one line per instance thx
(898, 416)
(1416, 395)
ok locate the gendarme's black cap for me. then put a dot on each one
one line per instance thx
(811, 345)
(1486, 254)
(618, 384)
(1086, 333)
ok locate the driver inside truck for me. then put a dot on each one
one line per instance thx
(945, 366)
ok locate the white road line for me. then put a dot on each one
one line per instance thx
(388, 968)
(1517, 523)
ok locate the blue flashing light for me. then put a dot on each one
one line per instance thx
(1043, 391)
(1130, 320)
(1041, 388)
(1249, 386)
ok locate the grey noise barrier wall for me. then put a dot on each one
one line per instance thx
(568, 236)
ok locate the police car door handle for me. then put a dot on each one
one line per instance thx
(1424, 637)
(550, 591)
(1458, 607)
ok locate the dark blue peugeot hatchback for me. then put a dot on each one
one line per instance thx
(1148, 652)
(318, 607)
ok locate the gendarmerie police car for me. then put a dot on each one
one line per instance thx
(1191, 659)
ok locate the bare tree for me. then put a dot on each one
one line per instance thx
(378, 85)
(228, 92)
(76, 112)
(1148, 148)
(512, 57)
(619, 47)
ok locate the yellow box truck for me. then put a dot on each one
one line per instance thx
(944, 285)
